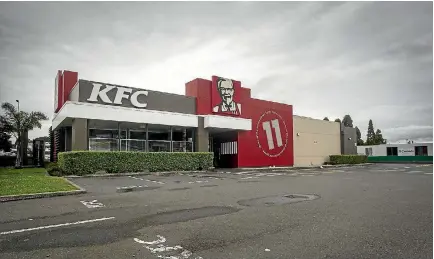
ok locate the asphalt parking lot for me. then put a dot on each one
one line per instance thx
(372, 211)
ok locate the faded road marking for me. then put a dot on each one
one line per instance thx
(199, 182)
(136, 178)
(158, 248)
(92, 204)
(152, 181)
(55, 226)
(427, 173)
(249, 177)
(141, 179)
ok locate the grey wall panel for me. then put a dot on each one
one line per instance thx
(348, 140)
(201, 137)
(74, 95)
(79, 134)
(155, 100)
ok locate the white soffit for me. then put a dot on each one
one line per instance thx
(226, 122)
(116, 113)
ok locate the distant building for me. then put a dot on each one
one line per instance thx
(414, 152)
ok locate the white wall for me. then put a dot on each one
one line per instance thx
(409, 149)
(377, 150)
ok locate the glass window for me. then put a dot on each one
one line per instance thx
(421, 150)
(101, 144)
(368, 151)
(106, 133)
(157, 132)
(135, 134)
(392, 151)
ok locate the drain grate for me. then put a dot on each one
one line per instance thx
(278, 200)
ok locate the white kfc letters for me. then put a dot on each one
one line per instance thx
(121, 93)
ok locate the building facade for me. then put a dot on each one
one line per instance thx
(414, 152)
(217, 115)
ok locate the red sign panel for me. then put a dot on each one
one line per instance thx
(225, 96)
(270, 142)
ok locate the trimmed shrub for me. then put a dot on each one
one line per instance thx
(89, 162)
(53, 169)
(348, 159)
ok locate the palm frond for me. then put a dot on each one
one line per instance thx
(33, 120)
(9, 108)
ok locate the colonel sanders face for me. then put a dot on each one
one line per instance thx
(226, 90)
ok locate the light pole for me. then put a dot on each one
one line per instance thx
(19, 148)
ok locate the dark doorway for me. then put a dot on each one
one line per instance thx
(224, 145)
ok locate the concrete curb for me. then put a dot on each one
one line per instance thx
(19, 197)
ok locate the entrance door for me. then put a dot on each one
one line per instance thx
(225, 149)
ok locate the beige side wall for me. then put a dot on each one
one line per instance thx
(316, 141)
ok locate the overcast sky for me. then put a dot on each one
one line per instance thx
(369, 60)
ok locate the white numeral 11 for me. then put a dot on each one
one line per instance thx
(266, 125)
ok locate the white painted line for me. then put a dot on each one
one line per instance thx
(427, 173)
(413, 172)
(247, 172)
(249, 177)
(136, 178)
(92, 204)
(152, 181)
(55, 226)
(199, 182)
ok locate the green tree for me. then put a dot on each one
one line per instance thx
(18, 123)
(360, 141)
(326, 119)
(370, 136)
(338, 120)
(378, 138)
(347, 121)
(5, 143)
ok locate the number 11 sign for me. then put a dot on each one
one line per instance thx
(271, 134)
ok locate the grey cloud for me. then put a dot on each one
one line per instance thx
(372, 60)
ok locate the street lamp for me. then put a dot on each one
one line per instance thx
(18, 101)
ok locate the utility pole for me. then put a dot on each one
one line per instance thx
(19, 147)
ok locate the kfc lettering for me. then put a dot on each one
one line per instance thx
(121, 93)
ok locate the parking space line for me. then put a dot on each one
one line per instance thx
(55, 226)
(152, 181)
(198, 182)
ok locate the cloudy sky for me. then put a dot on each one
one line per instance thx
(369, 60)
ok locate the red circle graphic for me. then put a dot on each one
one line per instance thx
(271, 134)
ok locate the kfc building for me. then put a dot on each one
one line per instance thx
(217, 115)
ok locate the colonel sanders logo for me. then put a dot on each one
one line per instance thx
(226, 89)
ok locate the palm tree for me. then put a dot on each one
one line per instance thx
(19, 122)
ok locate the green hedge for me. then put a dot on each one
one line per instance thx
(89, 162)
(348, 159)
